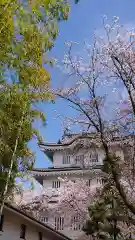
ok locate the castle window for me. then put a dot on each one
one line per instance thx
(59, 223)
(101, 181)
(79, 159)
(53, 201)
(93, 156)
(23, 231)
(56, 184)
(1, 222)
(44, 219)
(40, 237)
(89, 182)
(76, 223)
(66, 159)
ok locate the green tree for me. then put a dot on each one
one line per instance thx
(108, 214)
(27, 32)
(16, 120)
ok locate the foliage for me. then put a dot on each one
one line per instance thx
(27, 32)
(10, 114)
(108, 214)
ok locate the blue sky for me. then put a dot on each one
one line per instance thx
(84, 19)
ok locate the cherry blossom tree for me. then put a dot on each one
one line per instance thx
(73, 200)
(102, 93)
(72, 203)
(72, 196)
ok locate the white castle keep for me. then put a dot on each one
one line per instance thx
(74, 157)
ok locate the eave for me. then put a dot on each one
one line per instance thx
(52, 147)
(40, 173)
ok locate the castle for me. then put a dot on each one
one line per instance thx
(74, 157)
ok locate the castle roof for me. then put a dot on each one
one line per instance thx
(55, 169)
(70, 141)
(40, 173)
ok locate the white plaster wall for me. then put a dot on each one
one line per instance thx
(47, 183)
(48, 180)
(101, 156)
(11, 228)
(58, 158)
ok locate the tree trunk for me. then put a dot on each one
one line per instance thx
(3, 198)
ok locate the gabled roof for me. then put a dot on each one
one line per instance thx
(71, 142)
(70, 139)
(45, 226)
(66, 144)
